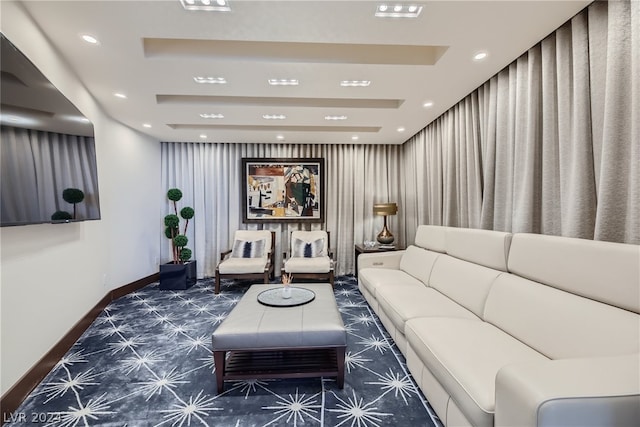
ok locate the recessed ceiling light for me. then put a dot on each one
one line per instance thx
(353, 83)
(211, 80)
(398, 11)
(89, 38)
(206, 5)
(283, 82)
(400, 129)
(203, 136)
(355, 137)
(428, 104)
(480, 56)
(335, 117)
(280, 137)
(212, 116)
(274, 116)
(147, 125)
(120, 95)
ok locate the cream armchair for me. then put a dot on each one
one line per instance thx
(310, 256)
(250, 258)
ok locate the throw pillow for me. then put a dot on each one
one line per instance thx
(248, 249)
(302, 249)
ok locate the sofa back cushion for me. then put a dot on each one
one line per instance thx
(418, 263)
(431, 237)
(464, 282)
(602, 271)
(560, 324)
(485, 247)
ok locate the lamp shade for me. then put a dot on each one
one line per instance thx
(385, 209)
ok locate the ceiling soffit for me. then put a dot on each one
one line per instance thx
(296, 52)
(280, 128)
(279, 101)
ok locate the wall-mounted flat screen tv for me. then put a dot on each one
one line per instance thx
(47, 149)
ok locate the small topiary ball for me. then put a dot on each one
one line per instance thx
(174, 194)
(180, 240)
(172, 221)
(170, 232)
(72, 195)
(185, 254)
(187, 212)
(61, 216)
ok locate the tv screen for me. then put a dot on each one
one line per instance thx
(47, 149)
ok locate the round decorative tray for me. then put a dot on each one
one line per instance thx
(273, 297)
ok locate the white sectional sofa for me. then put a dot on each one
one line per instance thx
(514, 329)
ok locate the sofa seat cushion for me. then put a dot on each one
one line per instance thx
(402, 303)
(373, 278)
(308, 265)
(242, 265)
(465, 356)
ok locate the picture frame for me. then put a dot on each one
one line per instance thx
(282, 190)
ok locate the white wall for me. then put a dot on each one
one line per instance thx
(52, 275)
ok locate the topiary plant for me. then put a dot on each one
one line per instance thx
(73, 196)
(179, 241)
(61, 216)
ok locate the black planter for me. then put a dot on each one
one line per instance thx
(178, 276)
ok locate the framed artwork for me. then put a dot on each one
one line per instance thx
(282, 190)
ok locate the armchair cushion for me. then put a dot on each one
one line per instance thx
(303, 249)
(248, 248)
(242, 266)
(308, 265)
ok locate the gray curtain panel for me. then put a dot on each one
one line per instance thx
(357, 176)
(37, 166)
(551, 144)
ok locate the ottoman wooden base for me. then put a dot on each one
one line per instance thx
(294, 363)
(266, 341)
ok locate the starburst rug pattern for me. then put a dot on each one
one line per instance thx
(147, 361)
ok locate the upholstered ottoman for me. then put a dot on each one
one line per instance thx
(260, 341)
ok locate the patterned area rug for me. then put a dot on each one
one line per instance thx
(147, 361)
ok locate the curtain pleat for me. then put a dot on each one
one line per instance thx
(618, 213)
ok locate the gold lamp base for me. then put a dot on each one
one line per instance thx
(385, 237)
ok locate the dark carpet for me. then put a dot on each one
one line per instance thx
(147, 361)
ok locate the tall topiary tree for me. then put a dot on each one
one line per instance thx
(179, 241)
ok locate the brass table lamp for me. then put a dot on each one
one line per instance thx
(385, 237)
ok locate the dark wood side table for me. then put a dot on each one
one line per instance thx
(360, 249)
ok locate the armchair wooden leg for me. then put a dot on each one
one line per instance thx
(217, 286)
(266, 277)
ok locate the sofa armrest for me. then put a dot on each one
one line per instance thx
(570, 392)
(389, 259)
